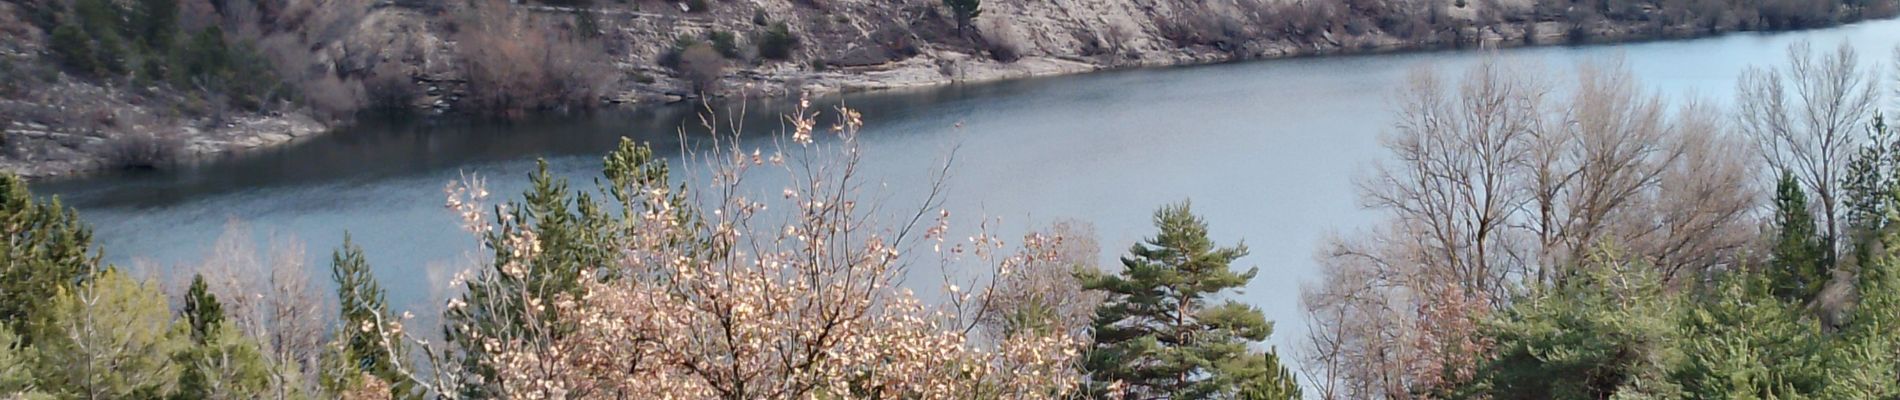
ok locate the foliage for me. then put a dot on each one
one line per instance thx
(964, 11)
(73, 49)
(16, 366)
(702, 66)
(111, 338)
(1742, 341)
(218, 362)
(777, 42)
(573, 236)
(362, 309)
(517, 62)
(202, 311)
(1159, 332)
(1609, 331)
(1800, 259)
(726, 43)
(654, 294)
(46, 252)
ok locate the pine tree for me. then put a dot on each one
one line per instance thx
(360, 304)
(1799, 268)
(204, 316)
(1160, 333)
(1741, 341)
(964, 11)
(219, 362)
(1866, 355)
(45, 252)
(202, 310)
(111, 338)
(1870, 184)
(1613, 323)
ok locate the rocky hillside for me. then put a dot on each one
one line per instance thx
(328, 60)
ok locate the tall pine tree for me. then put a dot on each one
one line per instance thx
(1161, 334)
(1801, 258)
(360, 303)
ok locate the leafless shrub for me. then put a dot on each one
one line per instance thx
(143, 150)
(1000, 40)
(1202, 26)
(516, 62)
(702, 66)
(334, 99)
(391, 87)
(1045, 290)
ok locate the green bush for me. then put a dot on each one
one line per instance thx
(726, 43)
(73, 49)
(777, 42)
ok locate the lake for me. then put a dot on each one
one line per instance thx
(1267, 150)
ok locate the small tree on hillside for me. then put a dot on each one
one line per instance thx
(1159, 334)
(965, 11)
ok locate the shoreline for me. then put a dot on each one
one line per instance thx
(933, 68)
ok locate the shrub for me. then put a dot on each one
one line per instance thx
(73, 49)
(143, 151)
(777, 42)
(389, 88)
(702, 67)
(1000, 42)
(726, 43)
(517, 63)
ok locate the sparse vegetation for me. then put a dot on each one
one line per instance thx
(777, 42)
(726, 43)
(964, 11)
(518, 63)
(702, 66)
(144, 151)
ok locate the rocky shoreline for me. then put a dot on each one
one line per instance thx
(1043, 39)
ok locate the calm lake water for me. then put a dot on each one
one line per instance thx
(1267, 151)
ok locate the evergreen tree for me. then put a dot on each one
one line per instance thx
(45, 252)
(1161, 334)
(202, 310)
(1865, 357)
(360, 304)
(1741, 341)
(1608, 332)
(573, 233)
(1799, 268)
(218, 362)
(1268, 379)
(16, 367)
(1870, 184)
(157, 23)
(112, 338)
(964, 11)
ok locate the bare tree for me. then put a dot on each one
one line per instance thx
(1496, 189)
(1044, 291)
(268, 295)
(1804, 119)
